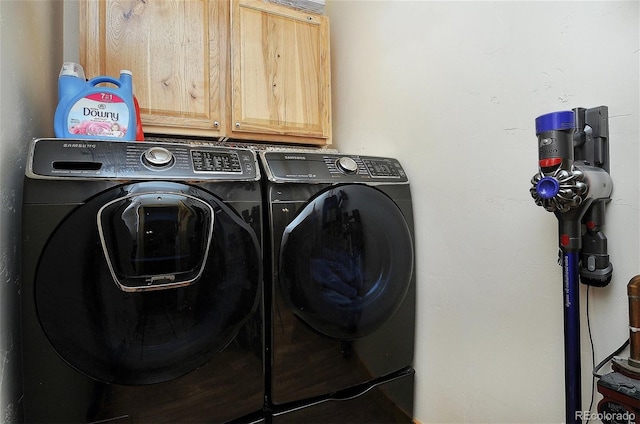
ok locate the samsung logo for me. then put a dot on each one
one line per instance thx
(295, 157)
(79, 145)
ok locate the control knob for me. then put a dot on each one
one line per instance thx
(347, 165)
(157, 157)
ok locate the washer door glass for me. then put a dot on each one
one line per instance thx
(147, 282)
(154, 241)
(346, 261)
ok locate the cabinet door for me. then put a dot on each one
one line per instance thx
(172, 47)
(280, 71)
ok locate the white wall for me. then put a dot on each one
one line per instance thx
(452, 89)
(30, 59)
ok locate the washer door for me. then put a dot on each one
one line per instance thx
(346, 261)
(147, 282)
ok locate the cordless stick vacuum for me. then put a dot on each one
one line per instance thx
(574, 183)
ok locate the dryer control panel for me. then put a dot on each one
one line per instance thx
(310, 167)
(54, 158)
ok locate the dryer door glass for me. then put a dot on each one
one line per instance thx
(346, 261)
(132, 335)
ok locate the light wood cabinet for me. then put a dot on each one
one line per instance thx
(239, 69)
(280, 70)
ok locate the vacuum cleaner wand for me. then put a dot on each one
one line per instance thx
(573, 178)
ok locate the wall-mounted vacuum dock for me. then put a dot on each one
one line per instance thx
(574, 183)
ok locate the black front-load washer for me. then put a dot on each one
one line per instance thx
(141, 283)
(341, 293)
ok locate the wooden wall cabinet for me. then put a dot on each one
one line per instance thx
(239, 69)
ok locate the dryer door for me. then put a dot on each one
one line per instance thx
(346, 261)
(147, 282)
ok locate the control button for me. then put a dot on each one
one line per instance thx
(207, 161)
(347, 165)
(383, 168)
(157, 157)
(591, 263)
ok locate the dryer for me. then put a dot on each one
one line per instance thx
(141, 283)
(341, 293)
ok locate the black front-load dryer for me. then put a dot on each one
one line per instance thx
(341, 290)
(141, 283)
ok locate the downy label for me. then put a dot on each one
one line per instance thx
(100, 114)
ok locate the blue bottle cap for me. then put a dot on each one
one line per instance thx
(562, 120)
(547, 187)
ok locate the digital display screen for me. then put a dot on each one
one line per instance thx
(379, 168)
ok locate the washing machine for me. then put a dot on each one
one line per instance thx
(141, 283)
(341, 293)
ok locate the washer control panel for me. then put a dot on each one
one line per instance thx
(68, 158)
(294, 166)
(204, 161)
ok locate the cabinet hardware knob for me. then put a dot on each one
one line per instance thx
(216, 124)
(237, 124)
